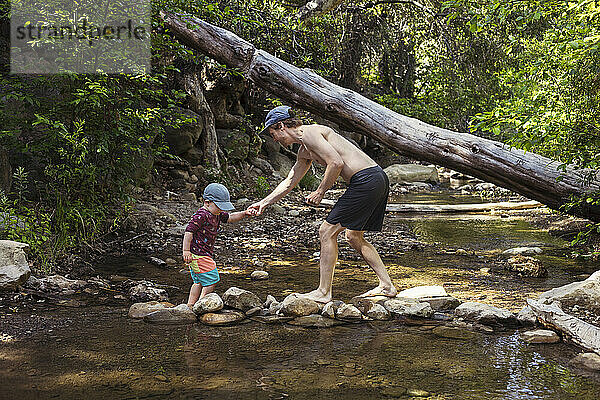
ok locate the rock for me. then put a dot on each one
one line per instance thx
(270, 300)
(589, 361)
(540, 336)
(60, 283)
(419, 292)
(277, 209)
(234, 142)
(183, 138)
(294, 213)
(296, 306)
(314, 321)
(180, 314)
(409, 173)
(259, 275)
(364, 304)
(484, 314)
(568, 227)
(222, 318)
(274, 308)
(14, 269)
(140, 310)
(263, 165)
(212, 302)
(145, 291)
(453, 333)
(523, 251)
(584, 294)
(195, 156)
(281, 163)
(157, 261)
(406, 307)
(441, 303)
(378, 312)
(170, 261)
(527, 317)
(330, 309)
(241, 299)
(526, 266)
(348, 312)
(417, 393)
(271, 319)
(191, 197)
(253, 311)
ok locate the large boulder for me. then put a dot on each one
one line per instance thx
(208, 304)
(241, 299)
(281, 163)
(296, 306)
(485, 314)
(584, 294)
(14, 269)
(410, 173)
(181, 139)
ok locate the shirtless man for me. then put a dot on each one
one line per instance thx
(361, 207)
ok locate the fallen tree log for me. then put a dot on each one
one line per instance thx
(578, 331)
(527, 173)
(453, 208)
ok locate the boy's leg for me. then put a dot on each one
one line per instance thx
(368, 252)
(194, 294)
(207, 289)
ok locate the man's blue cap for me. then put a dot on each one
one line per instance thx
(276, 115)
(219, 195)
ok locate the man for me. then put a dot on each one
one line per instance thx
(361, 208)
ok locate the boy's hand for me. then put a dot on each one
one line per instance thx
(249, 212)
(257, 208)
(187, 256)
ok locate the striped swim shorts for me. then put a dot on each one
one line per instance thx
(203, 270)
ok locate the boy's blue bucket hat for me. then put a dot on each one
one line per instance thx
(219, 195)
(276, 115)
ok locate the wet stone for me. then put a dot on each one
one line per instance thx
(241, 299)
(419, 292)
(589, 361)
(140, 310)
(296, 306)
(212, 302)
(405, 307)
(259, 275)
(314, 321)
(348, 312)
(253, 311)
(180, 314)
(527, 317)
(485, 314)
(271, 319)
(540, 336)
(222, 318)
(441, 303)
(453, 333)
(379, 313)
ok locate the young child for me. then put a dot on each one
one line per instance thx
(199, 239)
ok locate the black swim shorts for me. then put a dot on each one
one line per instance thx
(362, 206)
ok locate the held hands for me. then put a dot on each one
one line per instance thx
(315, 198)
(256, 209)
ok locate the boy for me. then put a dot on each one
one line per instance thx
(199, 239)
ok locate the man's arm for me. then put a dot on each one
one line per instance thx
(316, 143)
(285, 186)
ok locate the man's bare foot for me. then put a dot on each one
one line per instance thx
(316, 295)
(381, 291)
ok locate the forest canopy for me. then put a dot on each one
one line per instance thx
(522, 72)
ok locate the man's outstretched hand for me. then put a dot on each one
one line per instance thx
(256, 209)
(315, 198)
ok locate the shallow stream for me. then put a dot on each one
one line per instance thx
(97, 352)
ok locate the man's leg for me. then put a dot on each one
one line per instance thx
(328, 234)
(368, 252)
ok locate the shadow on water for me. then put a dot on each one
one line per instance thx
(100, 353)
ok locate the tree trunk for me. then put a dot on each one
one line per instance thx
(529, 174)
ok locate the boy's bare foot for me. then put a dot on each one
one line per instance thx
(316, 295)
(381, 291)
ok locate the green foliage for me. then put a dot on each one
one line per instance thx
(262, 186)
